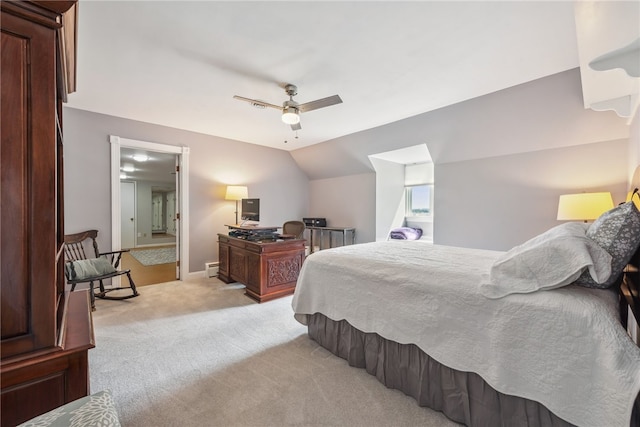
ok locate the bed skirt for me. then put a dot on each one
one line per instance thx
(464, 397)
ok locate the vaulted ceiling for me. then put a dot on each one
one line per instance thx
(179, 63)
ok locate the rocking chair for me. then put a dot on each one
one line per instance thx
(81, 269)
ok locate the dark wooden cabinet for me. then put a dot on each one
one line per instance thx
(268, 269)
(46, 332)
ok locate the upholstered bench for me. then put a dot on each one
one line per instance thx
(95, 410)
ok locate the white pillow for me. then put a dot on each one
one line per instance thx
(550, 260)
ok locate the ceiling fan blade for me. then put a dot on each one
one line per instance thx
(256, 103)
(320, 103)
(296, 126)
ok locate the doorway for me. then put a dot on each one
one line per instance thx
(148, 211)
(177, 223)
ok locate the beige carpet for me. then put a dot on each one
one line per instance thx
(203, 354)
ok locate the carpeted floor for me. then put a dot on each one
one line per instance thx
(203, 354)
(155, 256)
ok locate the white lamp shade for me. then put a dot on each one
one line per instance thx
(236, 192)
(583, 206)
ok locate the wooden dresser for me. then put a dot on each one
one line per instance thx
(46, 331)
(268, 269)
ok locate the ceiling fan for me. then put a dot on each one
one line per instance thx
(291, 109)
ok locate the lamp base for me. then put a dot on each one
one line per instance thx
(236, 212)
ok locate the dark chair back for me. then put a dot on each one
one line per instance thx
(75, 245)
(293, 229)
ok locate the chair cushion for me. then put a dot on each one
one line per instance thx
(88, 268)
(95, 410)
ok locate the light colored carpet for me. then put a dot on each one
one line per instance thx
(155, 256)
(203, 354)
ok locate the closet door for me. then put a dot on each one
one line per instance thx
(28, 237)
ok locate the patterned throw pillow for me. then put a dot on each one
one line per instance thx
(96, 410)
(87, 268)
(618, 232)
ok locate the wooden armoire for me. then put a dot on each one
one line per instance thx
(46, 331)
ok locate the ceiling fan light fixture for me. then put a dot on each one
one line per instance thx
(291, 109)
(290, 115)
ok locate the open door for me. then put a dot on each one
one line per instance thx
(173, 214)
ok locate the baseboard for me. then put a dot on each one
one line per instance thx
(153, 245)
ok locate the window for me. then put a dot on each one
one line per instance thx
(419, 200)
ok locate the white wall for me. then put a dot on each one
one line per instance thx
(271, 175)
(418, 174)
(390, 197)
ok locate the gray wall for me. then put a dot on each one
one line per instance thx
(519, 149)
(501, 161)
(348, 201)
(499, 202)
(271, 175)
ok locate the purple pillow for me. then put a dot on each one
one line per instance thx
(406, 233)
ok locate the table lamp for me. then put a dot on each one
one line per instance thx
(583, 206)
(236, 192)
(636, 199)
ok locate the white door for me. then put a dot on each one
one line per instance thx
(128, 214)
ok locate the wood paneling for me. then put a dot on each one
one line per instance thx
(13, 175)
(29, 139)
(46, 333)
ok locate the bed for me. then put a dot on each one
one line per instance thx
(489, 338)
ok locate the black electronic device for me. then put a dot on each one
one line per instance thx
(240, 234)
(263, 237)
(315, 222)
(251, 210)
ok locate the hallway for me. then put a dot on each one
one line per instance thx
(148, 275)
